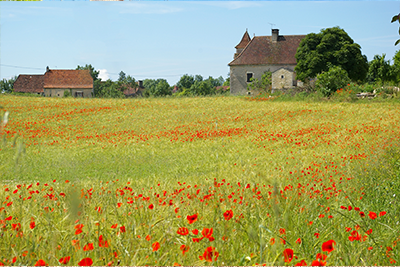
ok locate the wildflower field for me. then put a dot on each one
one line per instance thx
(198, 181)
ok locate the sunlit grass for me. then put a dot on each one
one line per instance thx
(286, 170)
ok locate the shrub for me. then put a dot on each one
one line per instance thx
(332, 80)
(67, 93)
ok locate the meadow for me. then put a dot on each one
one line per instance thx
(199, 181)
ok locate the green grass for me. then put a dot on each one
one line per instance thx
(302, 160)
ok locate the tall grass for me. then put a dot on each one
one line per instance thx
(294, 175)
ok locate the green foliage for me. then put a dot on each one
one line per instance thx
(396, 18)
(186, 81)
(159, 87)
(108, 89)
(331, 46)
(332, 80)
(263, 86)
(227, 82)
(380, 70)
(93, 72)
(7, 86)
(201, 88)
(67, 93)
(122, 76)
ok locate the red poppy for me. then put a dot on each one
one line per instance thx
(32, 224)
(362, 214)
(78, 228)
(103, 243)
(122, 229)
(318, 263)
(209, 254)
(316, 235)
(321, 256)
(64, 260)
(88, 247)
(151, 206)
(369, 232)
(228, 215)
(148, 237)
(302, 263)
(40, 263)
(195, 231)
(197, 240)
(86, 262)
(288, 254)
(155, 246)
(191, 218)
(355, 236)
(298, 241)
(372, 215)
(207, 232)
(282, 231)
(114, 226)
(382, 213)
(8, 218)
(183, 231)
(184, 249)
(328, 246)
(272, 241)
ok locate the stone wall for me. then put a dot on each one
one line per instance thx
(59, 92)
(238, 75)
(283, 78)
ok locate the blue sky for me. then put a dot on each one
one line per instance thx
(170, 38)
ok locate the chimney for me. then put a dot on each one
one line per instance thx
(140, 83)
(275, 34)
(47, 69)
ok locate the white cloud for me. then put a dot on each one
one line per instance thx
(149, 8)
(103, 75)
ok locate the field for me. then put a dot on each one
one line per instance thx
(199, 181)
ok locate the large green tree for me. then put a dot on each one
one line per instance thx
(94, 73)
(7, 86)
(330, 47)
(186, 81)
(380, 70)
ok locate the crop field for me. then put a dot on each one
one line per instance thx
(198, 181)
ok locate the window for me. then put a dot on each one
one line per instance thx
(282, 76)
(249, 76)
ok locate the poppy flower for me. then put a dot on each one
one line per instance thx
(288, 254)
(282, 231)
(122, 229)
(40, 263)
(88, 247)
(114, 226)
(318, 263)
(298, 241)
(382, 213)
(151, 206)
(321, 256)
(32, 224)
(302, 263)
(228, 215)
(183, 231)
(103, 243)
(86, 262)
(328, 246)
(195, 231)
(155, 246)
(362, 214)
(209, 254)
(64, 260)
(207, 232)
(316, 235)
(78, 228)
(372, 215)
(192, 218)
(148, 237)
(184, 249)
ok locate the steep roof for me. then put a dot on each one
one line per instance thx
(29, 84)
(245, 40)
(68, 79)
(261, 50)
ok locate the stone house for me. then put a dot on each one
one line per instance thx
(254, 56)
(29, 84)
(78, 83)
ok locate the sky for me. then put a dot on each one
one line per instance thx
(167, 39)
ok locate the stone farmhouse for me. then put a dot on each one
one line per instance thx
(254, 56)
(78, 83)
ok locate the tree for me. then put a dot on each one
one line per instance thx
(227, 82)
(186, 81)
(379, 70)
(201, 88)
(122, 76)
(159, 87)
(93, 72)
(332, 80)
(263, 85)
(396, 18)
(330, 47)
(7, 86)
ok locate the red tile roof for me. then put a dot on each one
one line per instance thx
(29, 84)
(261, 50)
(245, 40)
(68, 79)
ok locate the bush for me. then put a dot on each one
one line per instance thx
(332, 80)
(67, 93)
